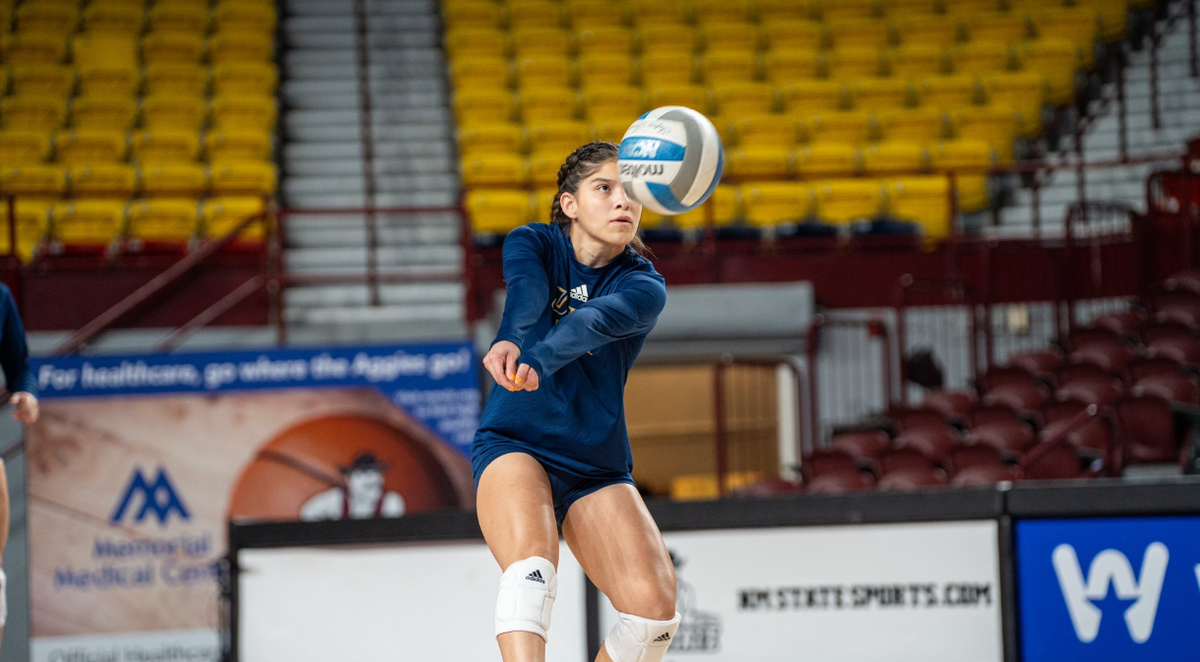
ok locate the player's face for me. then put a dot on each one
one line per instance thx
(601, 208)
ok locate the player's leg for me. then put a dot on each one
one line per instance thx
(516, 515)
(620, 548)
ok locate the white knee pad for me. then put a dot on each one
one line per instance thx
(3, 602)
(527, 592)
(637, 639)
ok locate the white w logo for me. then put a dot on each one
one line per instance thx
(1111, 567)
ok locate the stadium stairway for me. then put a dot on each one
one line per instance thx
(413, 166)
(1179, 97)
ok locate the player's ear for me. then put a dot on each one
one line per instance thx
(569, 204)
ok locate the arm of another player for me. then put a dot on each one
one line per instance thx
(528, 287)
(14, 360)
(631, 311)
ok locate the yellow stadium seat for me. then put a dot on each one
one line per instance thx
(852, 127)
(960, 7)
(782, 67)
(165, 145)
(1022, 92)
(704, 487)
(669, 38)
(584, 14)
(743, 98)
(36, 48)
(969, 161)
(33, 222)
(244, 16)
(561, 136)
(49, 80)
(113, 18)
(859, 33)
(228, 46)
(483, 170)
(487, 105)
(766, 129)
(1056, 61)
(234, 145)
(979, 57)
(168, 111)
(115, 180)
(540, 103)
(922, 200)
(109, 79)
(875, 94)
(836, 10)
(178, 79)
(235, 111)
(88, 222)
(599, 70)
(945, 92)
(81, 146)
(242, 177)
(995, 26)
(995, 126)
(540, 41)
(722, 11)
(219, 216)
(760, 162)
(682, 94)
(717, 67)
(609, 40)
(721, 209)
(472, 72)
(794, 35)
(1079, 25)
(534, 13)
(33, 113)
(495, 137)
(611, 131)
(33, 180)
(497, 211)
(916, 60)
(903, 8)
(105, 49)
(481, 14)
(770, 204)
(543, 165)
(771, 11)
(612, 103)
(841, 201)
(103, 112)
(476, 42)
(817, 160)
(244, 78)
(163, 220)
(808, 96)
(921, 124)
(543, 197)
(191, 19)
(543, 70)
(1112, 14)
(663, 68)
(853, 62)
(661, 12)
(47, 18)
(173, 179)
(928, 30)
(729, 36)
(894, 157)
(24, 146)
(163, 47)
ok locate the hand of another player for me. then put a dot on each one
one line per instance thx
(26, 404)
(527, 378)
(501, 362)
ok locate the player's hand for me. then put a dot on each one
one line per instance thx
(527, 378)
(26, 404)
(501, 362)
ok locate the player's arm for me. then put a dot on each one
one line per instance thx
(528, 285)
(629, 312)
(14, 361)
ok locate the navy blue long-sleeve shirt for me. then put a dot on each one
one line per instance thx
(14, 353)
(580, 328)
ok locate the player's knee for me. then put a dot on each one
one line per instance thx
(653, 599)
(527, 591)
(637, 639)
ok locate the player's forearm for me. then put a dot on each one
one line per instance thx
(588, 328)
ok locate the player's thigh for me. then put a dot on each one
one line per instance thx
(516, 510)
(620, 548)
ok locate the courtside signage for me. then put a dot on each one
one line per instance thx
(1109, 590)
(869, 593)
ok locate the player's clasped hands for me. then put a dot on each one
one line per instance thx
(501, 362)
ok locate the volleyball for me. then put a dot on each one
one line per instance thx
(671, 160)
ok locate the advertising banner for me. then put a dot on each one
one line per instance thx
(866, 593)
(138, 462)
(1109, 590)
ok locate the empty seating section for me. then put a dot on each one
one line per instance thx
(883, 97)
(150, 121)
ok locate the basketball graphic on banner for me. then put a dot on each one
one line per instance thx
(671, 160)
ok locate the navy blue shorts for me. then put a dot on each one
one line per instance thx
(566, 486)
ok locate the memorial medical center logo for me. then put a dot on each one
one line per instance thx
(157, 497)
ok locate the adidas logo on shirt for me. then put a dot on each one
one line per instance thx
(580, 293)
(535, 576)
(666, 636)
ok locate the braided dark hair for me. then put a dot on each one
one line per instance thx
(580, 165)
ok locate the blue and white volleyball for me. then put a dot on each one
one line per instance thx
(671, 160)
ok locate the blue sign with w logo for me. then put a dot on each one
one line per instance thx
(158, 497)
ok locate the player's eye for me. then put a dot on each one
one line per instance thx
(603, 188)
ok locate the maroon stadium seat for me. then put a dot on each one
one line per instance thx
(1177, 306)
(839, 483)
(1145, 366)
(1182, 348)
(1090, 335)
(1058, 462)
(769, 487)
(1113, 358)
(1186, 280)
(951, 403)
(912, 478)
(1039, 362)
(1148, 432)
(1125, 323)
(1094, 438)
(1174, 387)
(863, 445)
(1000, 428)
(917, 418)
(819, 463)
(934, 443)
(1088, 382)
(904, 458)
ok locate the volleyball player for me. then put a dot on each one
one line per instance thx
(552, 451)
